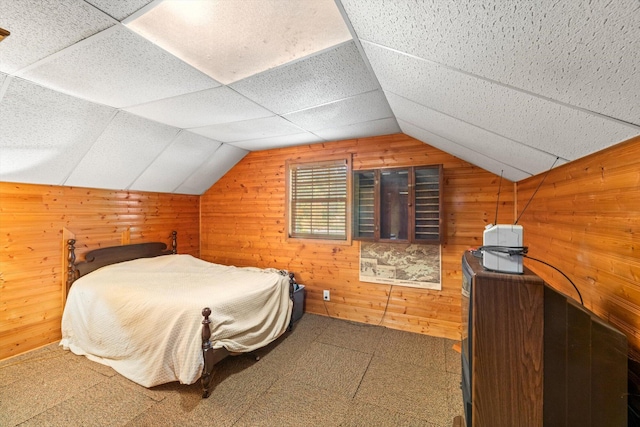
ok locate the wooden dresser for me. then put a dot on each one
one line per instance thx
(538, 358)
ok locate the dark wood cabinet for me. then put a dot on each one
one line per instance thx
(531, 356)
(507, 348)
(400, 204)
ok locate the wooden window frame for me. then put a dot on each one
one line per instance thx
(411, 216)
(293, 163)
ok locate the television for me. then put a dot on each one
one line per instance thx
(532, 356)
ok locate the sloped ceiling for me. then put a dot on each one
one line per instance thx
(167, 96)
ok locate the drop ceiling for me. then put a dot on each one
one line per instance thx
(167, 96)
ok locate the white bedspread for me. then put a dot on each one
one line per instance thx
(143, 317)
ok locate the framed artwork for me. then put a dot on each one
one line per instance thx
(403, 264)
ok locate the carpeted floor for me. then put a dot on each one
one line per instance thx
(326, 372)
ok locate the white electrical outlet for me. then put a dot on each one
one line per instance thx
(326, 295)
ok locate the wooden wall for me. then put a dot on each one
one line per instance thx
(585, 220)
(34, 220)
(243, 223)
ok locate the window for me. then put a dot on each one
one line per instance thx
(318, 199)
(398, 204)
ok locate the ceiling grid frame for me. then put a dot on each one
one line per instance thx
(510, 53)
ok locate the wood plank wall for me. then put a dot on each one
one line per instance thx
(585, 220)
(33, 221)
(243, 223)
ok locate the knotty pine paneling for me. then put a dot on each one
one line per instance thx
(585, 220)
(33, 220)
(243, 223)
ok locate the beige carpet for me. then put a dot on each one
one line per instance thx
(326, 372)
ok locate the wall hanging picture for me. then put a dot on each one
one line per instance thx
(401, 264)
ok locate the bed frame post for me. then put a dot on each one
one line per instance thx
(71, 263)
(174, 242)
(207, 353)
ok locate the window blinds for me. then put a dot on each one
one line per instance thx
(318, 200)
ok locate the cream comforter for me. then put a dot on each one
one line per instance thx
(143, 317)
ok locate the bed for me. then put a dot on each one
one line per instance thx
(156, 316)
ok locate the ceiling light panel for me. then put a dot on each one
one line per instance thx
(230, 40)
(249, 129)
(575, 52)
(360, 108)
(122, 152)
(118, 68)
(214, 168)
(538, 122)
(478, 159)
(119, 9)
(44, 134)
(473, 137)
(176, 163)
(207, 107)
(40, 28)
(360, 130)
(334, 74)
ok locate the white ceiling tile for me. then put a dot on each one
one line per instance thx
(278, 141)
(495, 146)
(44, 134)
(233, 40)
(508, 171)
(583, 53)
(360, 108)
(40, 28)
(212, 170)
(122, 153)
(118, 68)
(360, 130)
(495, 82)
(176, 163)
(267, 127)
(206, 107)
(537, 122)
(119, 9)
(334, 74)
